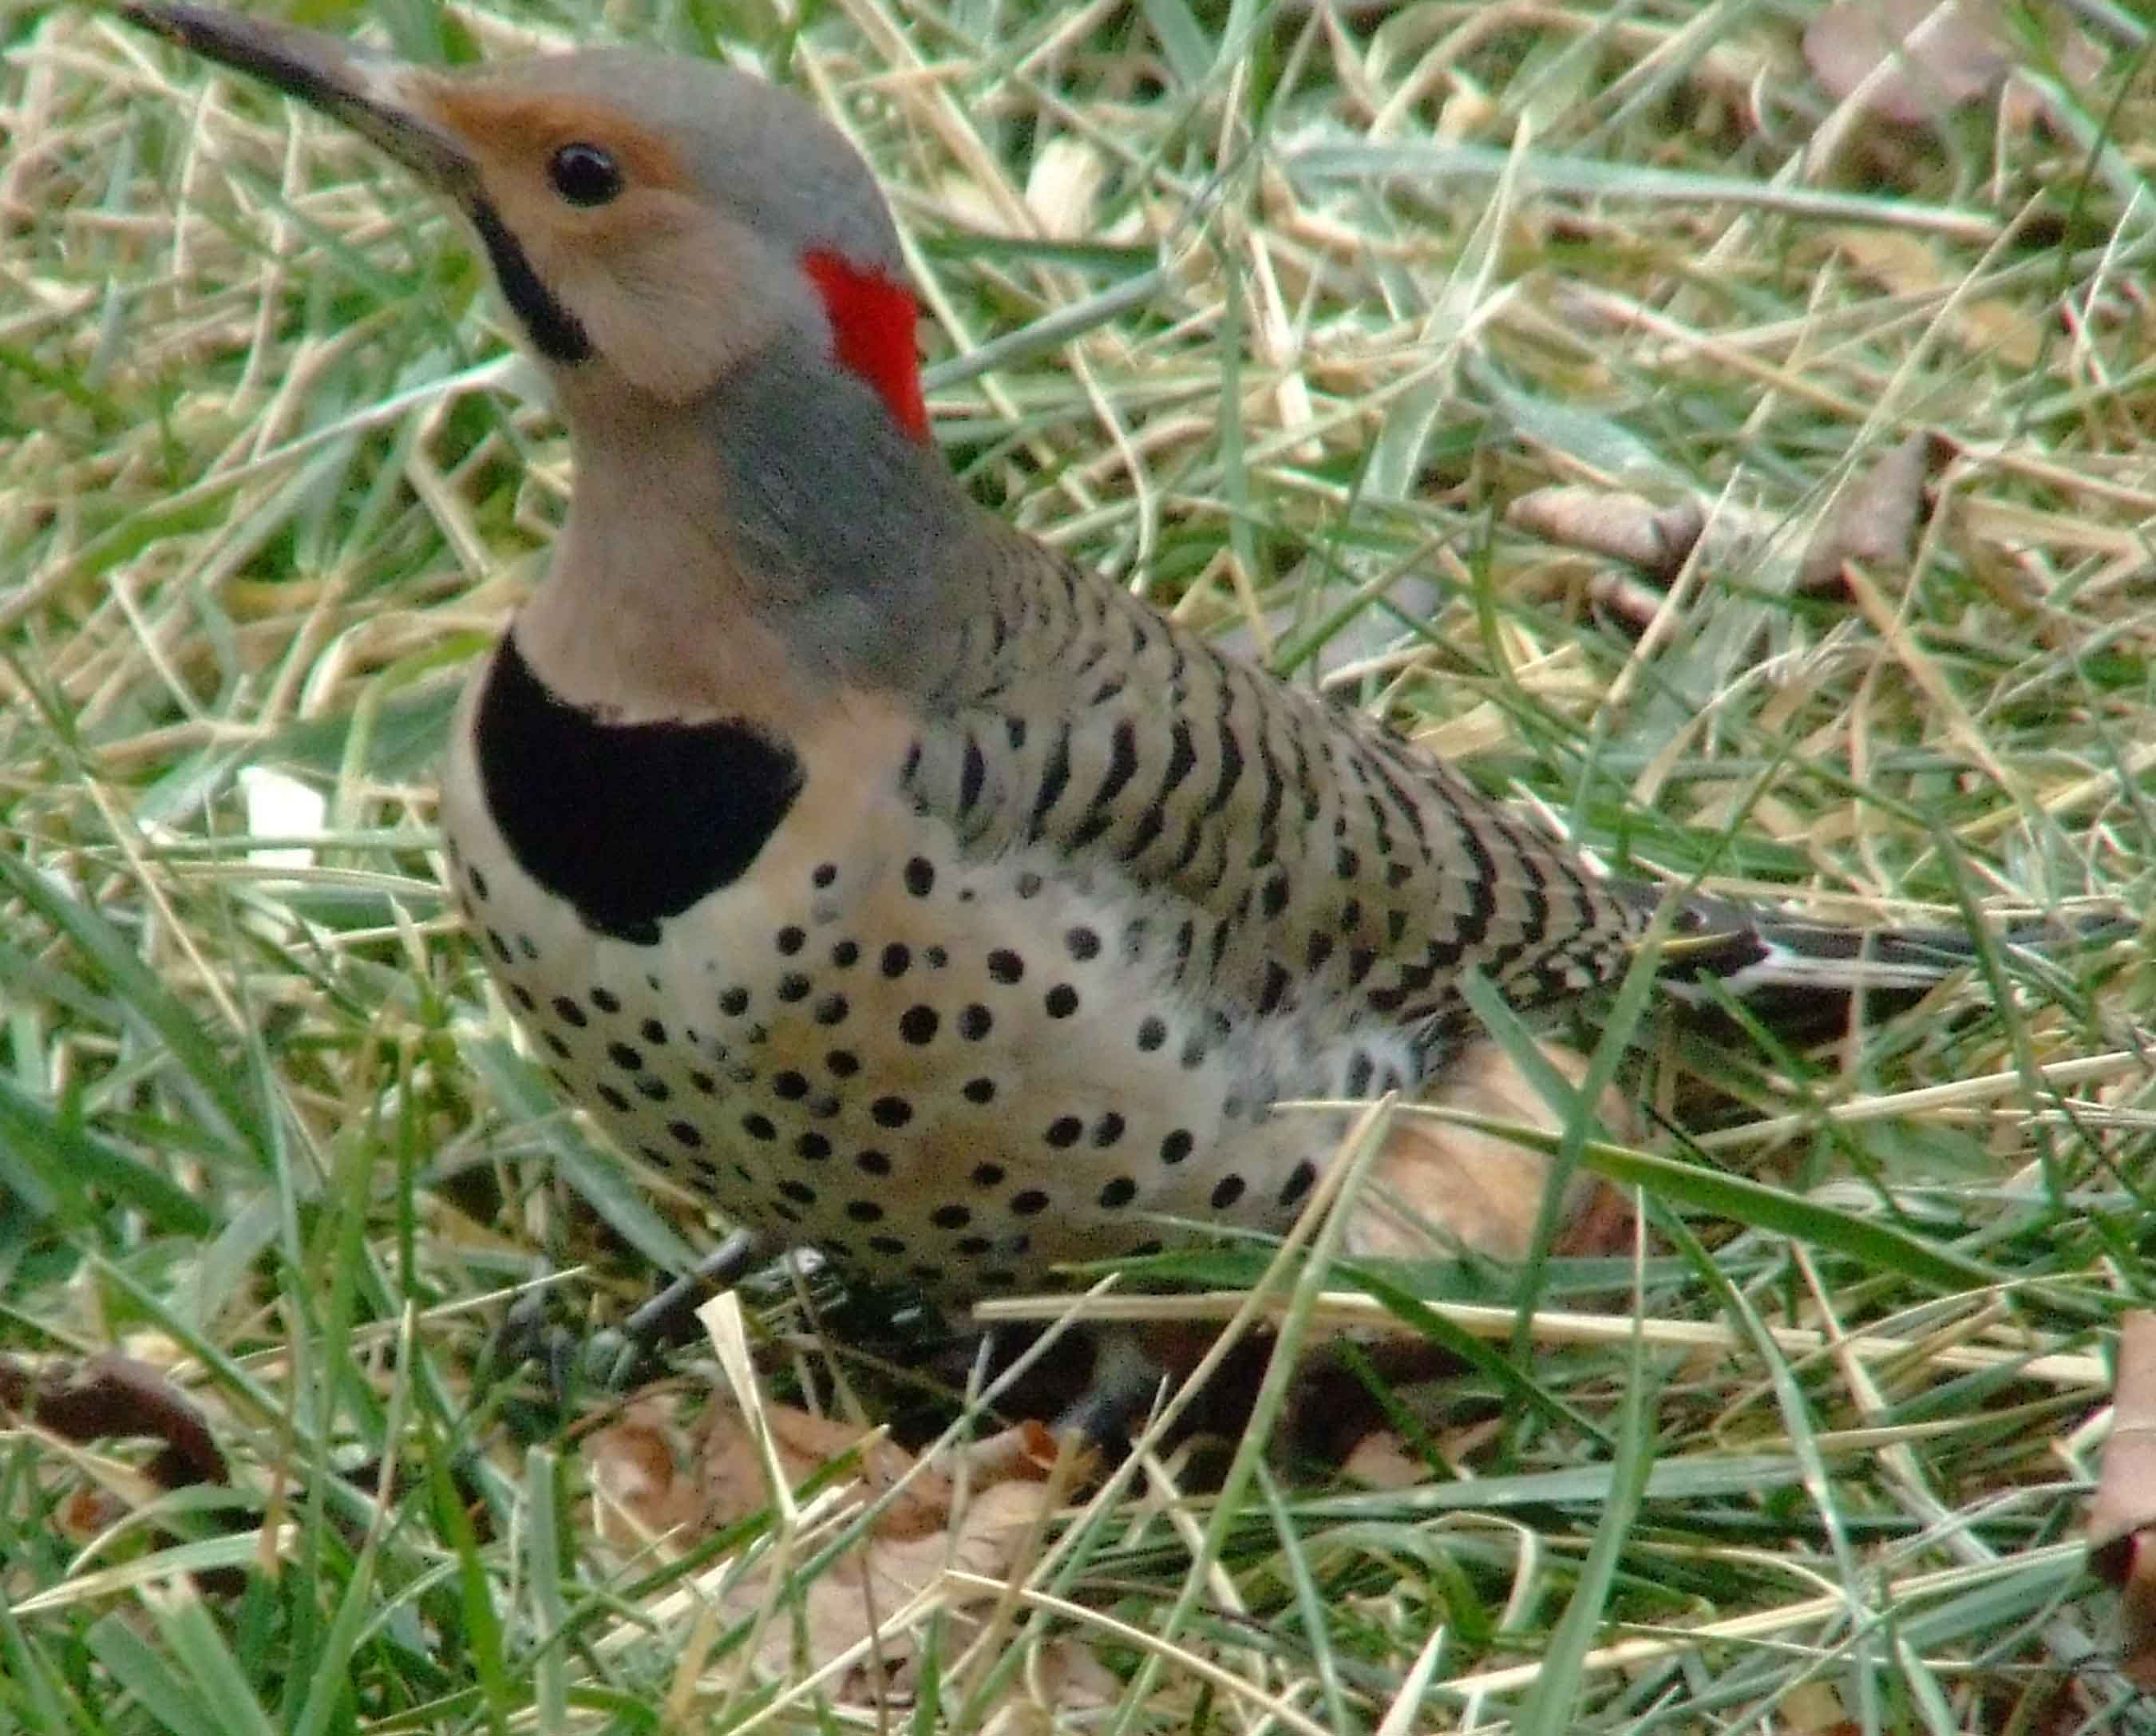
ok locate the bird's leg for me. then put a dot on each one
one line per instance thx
(619, 1356)
(1119, 1392)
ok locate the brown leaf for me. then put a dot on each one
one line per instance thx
(89, 1512)
(1624, 527)
(806, 1443)
(862, 1590)
(1473, 1189)
(2080, 61)
(1814, 1708)
(1028, 1449)
(730, 1470)
(118, 1395)
(2121, 1527)
(1381, 1460)
(1938, 54)
(635, 1467)
(654, 1475)
(662, 1477)
(1074, 1680)
(115, 1396)
(1873, 521)
(1633, 602)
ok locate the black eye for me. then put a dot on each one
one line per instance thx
(584, 175)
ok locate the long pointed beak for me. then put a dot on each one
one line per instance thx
(374, 94)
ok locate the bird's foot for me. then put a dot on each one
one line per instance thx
(615, 1358)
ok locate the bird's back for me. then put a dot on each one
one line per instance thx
(1327, 870)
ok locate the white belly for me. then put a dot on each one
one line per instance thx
(955, 1074)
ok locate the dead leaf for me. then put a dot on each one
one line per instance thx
(1064, 187)
(1936, 55)
(1624, 527)
(1071, 1679)
(655, 1474)
(1873, 521)
(88, 1512)
(807, 1443)
(2121, 1527)
(112, 1396)
(730, 1469)
(864, 1589)
(662, 1476)
(1381, 1460)
(2080, 61)
(1436, 1188)
(1906, 264)
(1027, 1449)
(1634, 602)
(634, 1472)
(1814, 1708)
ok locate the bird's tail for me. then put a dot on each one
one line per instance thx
(1799, 977)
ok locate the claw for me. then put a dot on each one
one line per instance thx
(614, 1359)
(525, 1336)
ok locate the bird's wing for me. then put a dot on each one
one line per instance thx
(1310, 856)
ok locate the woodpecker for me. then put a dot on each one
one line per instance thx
(899, 885)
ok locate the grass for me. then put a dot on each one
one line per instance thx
(1274, 312)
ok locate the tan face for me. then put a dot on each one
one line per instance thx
(669, 289)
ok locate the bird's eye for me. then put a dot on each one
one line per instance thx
(584, 174)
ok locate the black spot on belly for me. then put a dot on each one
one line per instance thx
(631, 823)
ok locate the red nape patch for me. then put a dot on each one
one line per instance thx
(872, 321)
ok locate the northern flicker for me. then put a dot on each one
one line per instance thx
(908, 889)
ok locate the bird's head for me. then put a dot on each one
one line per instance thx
(659, 218)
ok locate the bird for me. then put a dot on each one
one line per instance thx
(898, 885)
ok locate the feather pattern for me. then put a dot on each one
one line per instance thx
(1326, 862)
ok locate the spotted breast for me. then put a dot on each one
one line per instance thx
(940, 1049)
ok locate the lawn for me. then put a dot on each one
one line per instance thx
(1409, 348)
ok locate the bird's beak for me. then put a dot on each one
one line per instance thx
(375, 94)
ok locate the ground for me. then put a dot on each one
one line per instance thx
(1408, 348)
